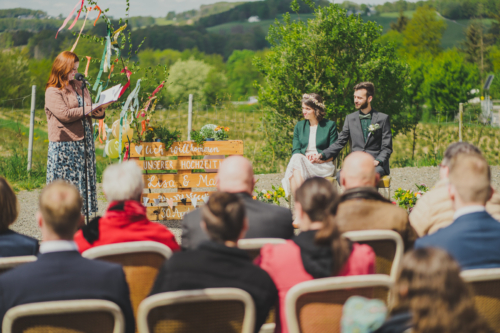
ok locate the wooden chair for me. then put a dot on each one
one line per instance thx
(75, 316)
(316, 306)
(387, 245)
(8, 263)
(253, 245)
(486, 286)
(211, 310)
(141, 262)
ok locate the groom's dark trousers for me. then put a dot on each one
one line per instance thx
(378, 144)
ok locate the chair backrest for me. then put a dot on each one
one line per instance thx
(253, 245)
(387, 245)
(141, 262)
(486, 286)
(211, 310)
(316, 306)
(75, 316)
(10, 262)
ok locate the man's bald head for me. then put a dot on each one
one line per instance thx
(358, 170)
(235, 175)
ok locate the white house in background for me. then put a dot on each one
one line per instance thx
(253, 19)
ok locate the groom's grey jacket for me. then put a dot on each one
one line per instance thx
(379, 144)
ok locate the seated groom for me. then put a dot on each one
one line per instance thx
(473, 238)
(361, 207)
(61, 273)
(218, 263)
(264, 220)
(367, 129)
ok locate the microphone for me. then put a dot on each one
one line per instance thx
(81, 77)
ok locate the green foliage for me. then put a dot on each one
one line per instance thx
(208, 131)
(424, 32)
(241, 74)
(449, 81)
(15, 79)
(188, 77)
(165, 136)
(328, 55)
(197, 137)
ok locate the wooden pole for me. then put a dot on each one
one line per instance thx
(460, 120)
(190, 116)
(32, 126)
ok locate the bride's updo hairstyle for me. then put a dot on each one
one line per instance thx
(315, 102)
(223, 215)
(317, 196)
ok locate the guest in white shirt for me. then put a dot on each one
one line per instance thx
(61, 273)
(310, 137)
(473, 238)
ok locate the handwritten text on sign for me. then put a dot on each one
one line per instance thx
(178, 165)
(183, 181)
(187, 148)
(167, 213)
(177, 197)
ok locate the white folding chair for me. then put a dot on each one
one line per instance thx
(206, 310)
(8, 263)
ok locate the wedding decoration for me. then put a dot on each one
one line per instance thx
(270, 197)
(373, 128)
(407, 199)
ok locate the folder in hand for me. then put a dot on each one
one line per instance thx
(107, 97)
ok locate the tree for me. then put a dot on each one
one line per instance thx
(476, 47)
(401, 23)
(328, 55)
(170, 15)
(241, 74)
(424, 32)
(449, 81)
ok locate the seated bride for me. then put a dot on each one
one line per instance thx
(310, 137)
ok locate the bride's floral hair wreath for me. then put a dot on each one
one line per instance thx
(315, 102)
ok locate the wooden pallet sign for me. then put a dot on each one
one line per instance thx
(173, 205)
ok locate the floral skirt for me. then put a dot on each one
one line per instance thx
(307, 170)
(66, 161)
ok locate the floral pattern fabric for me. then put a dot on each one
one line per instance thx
(66, 160)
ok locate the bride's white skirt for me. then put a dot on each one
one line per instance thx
(307, 170)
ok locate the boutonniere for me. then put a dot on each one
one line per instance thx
(373, 128)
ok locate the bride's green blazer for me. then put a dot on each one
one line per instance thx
(326, 135)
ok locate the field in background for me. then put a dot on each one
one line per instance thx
(244, 122)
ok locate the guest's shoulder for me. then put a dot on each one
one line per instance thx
(270, 208)
(193, 216)
(100, 266)
(19, 238)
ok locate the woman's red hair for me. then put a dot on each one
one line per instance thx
(62, 66)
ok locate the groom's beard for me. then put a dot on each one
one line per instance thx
(363, 106)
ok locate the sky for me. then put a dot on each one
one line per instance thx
(156, 8)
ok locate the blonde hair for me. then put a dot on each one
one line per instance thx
(437, 297)
(9, 206)
(61, 205)
(470, 175)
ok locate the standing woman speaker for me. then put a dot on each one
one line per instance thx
(66, 125)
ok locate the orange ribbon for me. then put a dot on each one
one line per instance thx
(143, 123)
(88, 64)
(101, 129)
(100, 11)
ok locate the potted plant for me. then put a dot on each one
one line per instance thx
(208, 132)
(162, 134)
(221, 133)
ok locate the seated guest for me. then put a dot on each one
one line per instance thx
(473, 238)
(362, 207)
(125, 220)
(218, 263)
(430, 296)
(60, 273)
(11, 243)
(264, 221)
(434, 210)
(318, 251)
(310, 137)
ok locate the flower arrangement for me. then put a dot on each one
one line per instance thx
(221, 133)
(208, 131)
(407, 199)
(162, 134)
(270, 196)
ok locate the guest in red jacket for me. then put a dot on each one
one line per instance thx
(318, 251)
(125, 220)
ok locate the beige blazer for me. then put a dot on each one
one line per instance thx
(63, 114)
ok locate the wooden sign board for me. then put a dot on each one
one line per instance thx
(165, 213)
(187, 148)
(178, 164)
(176, 197)
(179, 181)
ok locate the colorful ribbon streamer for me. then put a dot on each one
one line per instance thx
(117, 33)
(101, 67)
(77, 16)
(88, 64)
(133, 95)
(100, 11)
(89, 9)
(128, 73)
(69, 16)
(152, 95)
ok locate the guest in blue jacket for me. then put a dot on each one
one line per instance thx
(11, 243)
(473, 238)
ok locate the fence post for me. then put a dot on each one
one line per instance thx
(32, 125)
(460, 120)
(190, 116)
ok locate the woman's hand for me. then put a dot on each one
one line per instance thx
(98, 113)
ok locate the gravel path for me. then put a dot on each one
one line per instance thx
(405, 178)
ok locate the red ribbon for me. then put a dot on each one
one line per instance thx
(128, 73)
(67, 18)
(77, 16)
(126, 153)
